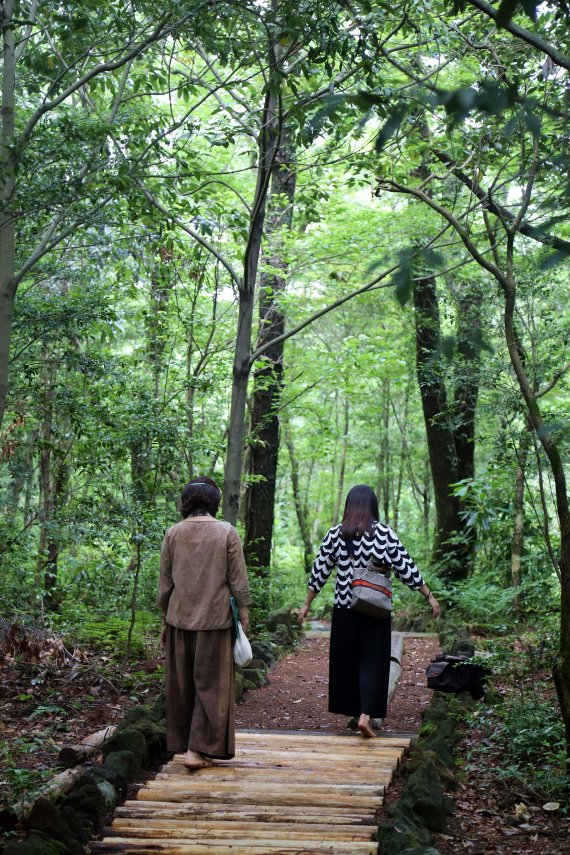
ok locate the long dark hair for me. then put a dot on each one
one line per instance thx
(360, 512)
(200, 495)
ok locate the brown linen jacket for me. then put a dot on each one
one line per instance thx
(201, 563)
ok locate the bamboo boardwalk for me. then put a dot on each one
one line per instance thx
(284, 792)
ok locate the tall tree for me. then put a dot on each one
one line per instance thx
(450, 424)
(56, 123)
(268, 377)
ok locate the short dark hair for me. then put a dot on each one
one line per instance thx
(360, 512)
(200, 494)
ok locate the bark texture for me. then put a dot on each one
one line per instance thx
(268, 377)
(450, 426)
(7, 184)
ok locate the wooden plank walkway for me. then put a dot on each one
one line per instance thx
(284, 792)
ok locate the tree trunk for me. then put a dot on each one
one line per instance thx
(342, 463)
(518, 527)
(7, 184)
(469, 299)
(242, 352)
(300, 505)
(53, 543)
(450, 449)
(236, 425)
(384, 461)
(46, 479)
(268, 379)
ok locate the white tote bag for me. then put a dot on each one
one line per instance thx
(242, 648)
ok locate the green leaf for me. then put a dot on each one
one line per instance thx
(532, 122)
(389, 129)
(402, 279)
(506, 11)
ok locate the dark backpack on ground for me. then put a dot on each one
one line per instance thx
(456, 674)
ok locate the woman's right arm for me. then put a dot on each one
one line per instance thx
(304, 610)
(237, 577)
(322, 568)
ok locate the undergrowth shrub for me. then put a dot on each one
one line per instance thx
(526, 731)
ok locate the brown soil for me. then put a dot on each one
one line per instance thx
(296, 698)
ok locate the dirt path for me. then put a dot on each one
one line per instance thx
(296, 698)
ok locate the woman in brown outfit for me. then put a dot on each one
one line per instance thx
(201, 564)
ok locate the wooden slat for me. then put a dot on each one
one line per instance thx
(182, 827)
(215, 846)
(283, 792)
(222, 831)
(262, 813)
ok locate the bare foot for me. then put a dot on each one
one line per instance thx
(364, 726)
(195, 760)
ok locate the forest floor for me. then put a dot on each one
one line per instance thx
(50, 696)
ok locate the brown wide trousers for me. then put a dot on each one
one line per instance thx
(200, 682)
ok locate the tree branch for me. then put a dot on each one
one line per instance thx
(160, 32)
(191, 232)
(394, 186)
(294, 330)
(530, 38)
(554, 381)
(498, 210)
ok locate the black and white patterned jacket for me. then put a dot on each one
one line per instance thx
(383, 547)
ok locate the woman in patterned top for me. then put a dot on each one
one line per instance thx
(359, 663)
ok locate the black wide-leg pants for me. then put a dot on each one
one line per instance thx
(359, 664)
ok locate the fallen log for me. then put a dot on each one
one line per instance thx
(72, 755)
(57, 786)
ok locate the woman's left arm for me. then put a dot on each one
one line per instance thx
(165, 581)
(407, 572)
(165, 585)
(435, 606)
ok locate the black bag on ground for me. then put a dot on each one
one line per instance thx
(456, 674)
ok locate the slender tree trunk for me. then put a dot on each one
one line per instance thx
(518, 528)
(342, 462)
(300, 505)
(385, 461)
(7, 184)
(135, 567)
(54, 540)
(46, 480)
(236, 425)
(242, 353)
(268, 379)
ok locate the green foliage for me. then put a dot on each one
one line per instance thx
(20, 783)
(104, 632)
(526, 729)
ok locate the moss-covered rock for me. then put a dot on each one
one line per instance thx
(127, 739)
(106, 773)
(238, 694)
(36, 843)
(284, 626)
(125, 764)
(420, 755)
(255, 674)
(87, 805)
(265, 649)
(425, 796)
(407, 830)
(45, 817)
